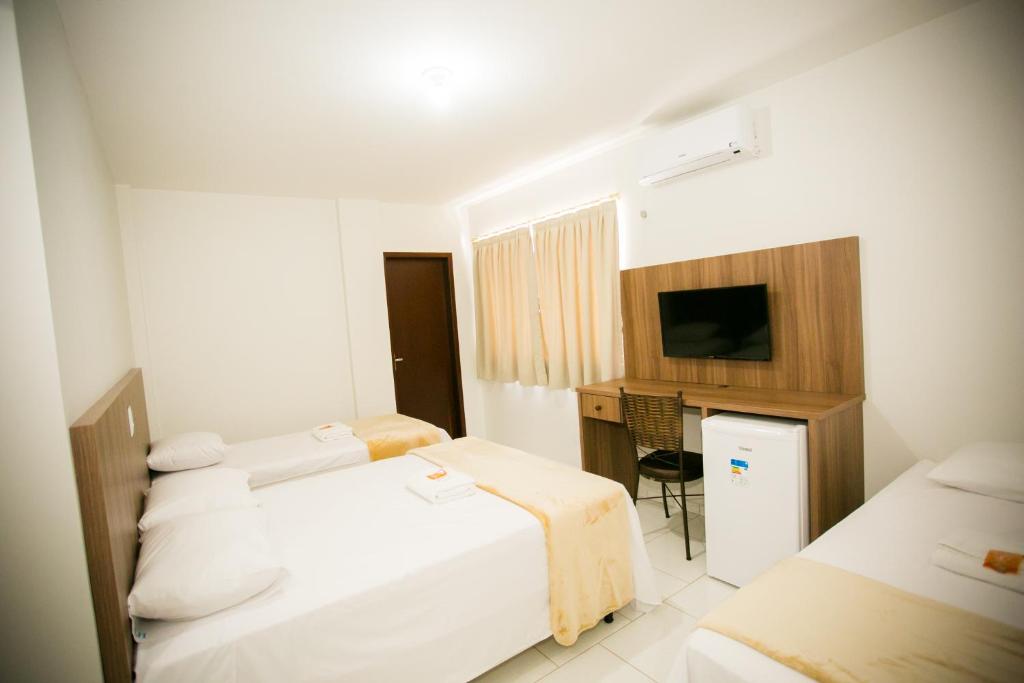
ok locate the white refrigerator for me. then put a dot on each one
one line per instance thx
(755, 493)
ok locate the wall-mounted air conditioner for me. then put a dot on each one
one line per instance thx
(718, 138)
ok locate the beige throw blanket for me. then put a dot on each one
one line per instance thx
(585, 521)
(391, 435)
(834, 625)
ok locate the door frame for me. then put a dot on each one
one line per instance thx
(460, 412)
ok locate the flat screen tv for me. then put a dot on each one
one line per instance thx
(724, 322)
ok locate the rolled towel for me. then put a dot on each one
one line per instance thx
(993, 558)
(442, 486)
(332, 431)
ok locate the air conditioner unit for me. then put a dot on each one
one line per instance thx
(716, 138)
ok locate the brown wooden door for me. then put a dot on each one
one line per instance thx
(424, 339)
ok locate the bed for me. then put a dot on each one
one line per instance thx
(455, 589)
(415, 594)
(889, 539)
(278, 458)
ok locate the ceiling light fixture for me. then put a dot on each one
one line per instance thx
(437, 85)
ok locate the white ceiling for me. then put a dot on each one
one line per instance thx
(322, 98)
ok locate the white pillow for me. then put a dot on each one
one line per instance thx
(988, 467)
(188, 493)
(200, 564)
(186, 452)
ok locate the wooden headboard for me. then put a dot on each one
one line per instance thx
(112, 475)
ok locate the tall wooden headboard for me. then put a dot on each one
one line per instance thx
(814, 304)
(110, 466)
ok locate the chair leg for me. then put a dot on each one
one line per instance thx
(686, 531)
(636, 483)
(664, 499)
(686, 517)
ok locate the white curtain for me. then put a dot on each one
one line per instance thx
(577, 261)
(507, 322)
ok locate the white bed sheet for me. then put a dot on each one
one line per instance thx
(890, 539)
(280, 458)
(382, 586)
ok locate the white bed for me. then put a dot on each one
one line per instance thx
(890, 538)
(279, 458)
(382, 586)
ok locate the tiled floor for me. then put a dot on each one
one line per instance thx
(636, 647)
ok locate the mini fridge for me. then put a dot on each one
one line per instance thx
(755, 493)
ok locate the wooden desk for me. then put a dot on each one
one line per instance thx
(835, 435)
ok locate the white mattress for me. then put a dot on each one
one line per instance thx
(382, 586)
(890, 538)
(279, 458)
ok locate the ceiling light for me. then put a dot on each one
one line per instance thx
(437, 82)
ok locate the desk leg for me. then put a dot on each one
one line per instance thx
(605, 448)
(835, 468)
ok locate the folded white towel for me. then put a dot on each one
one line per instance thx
(442, 486)
(964, 552)
(332, 431)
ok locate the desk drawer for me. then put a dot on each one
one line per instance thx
(601, 407)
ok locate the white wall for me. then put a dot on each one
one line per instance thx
(914, 144)
(369, 229)
(255, 316)
(79, 214)
(45, 606)
(239, 311)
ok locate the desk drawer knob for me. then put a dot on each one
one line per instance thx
(597, 408)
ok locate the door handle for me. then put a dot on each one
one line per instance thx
(395, 360)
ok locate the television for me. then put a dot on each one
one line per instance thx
(723, 322)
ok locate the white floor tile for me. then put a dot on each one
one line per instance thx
(648, 487)
(675, 525)
(702, 596)
(560, 654)
(652, 516)
(667, 584)
(653, 522)
(528, 666)
(629, 612)
(697, 528)
(653, 642)
(596, 665)
(668, 554)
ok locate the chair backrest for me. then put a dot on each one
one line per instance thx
(653, 421)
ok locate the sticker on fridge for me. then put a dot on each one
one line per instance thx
(738, 472)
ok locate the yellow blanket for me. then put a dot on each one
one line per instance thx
(585, 521)
(391, 435)
(834, 625)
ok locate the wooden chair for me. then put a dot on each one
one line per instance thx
(656, 423)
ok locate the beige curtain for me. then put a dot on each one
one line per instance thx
(577, 259)
(508, 345)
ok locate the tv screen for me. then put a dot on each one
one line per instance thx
(724, 322)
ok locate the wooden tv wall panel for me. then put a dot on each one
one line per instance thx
(814, 315)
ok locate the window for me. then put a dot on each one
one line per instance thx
(547, 301)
